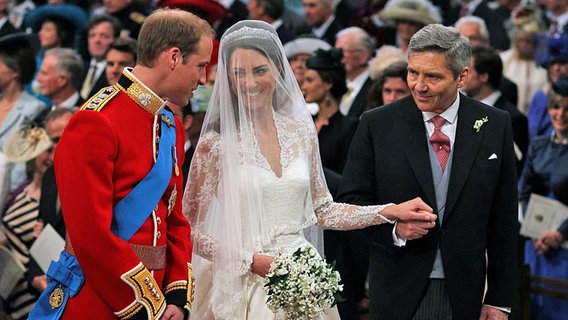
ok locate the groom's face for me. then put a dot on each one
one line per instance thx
(431, 82)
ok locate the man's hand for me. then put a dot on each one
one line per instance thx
(412, 230)
(261, 264)
(489, 313)
(173, 312)
(38, 227)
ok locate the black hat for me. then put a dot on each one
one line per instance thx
(560, 86)
(71, 14)
(325, 59)
(18, 40)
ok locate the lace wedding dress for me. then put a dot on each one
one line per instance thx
(289, 203)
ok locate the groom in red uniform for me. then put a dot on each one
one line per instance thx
(128, 248)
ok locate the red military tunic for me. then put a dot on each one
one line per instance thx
(107, 148)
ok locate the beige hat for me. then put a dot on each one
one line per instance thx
(26, 143)
(420, 11)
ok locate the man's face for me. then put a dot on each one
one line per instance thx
(474, 81)
(432, 84)
(394, 88)
(473, 33)
(51, 80)
(116, 61)
(354, 57)
(100, 37)
(316, 12)
(255, 9)
(187, 75)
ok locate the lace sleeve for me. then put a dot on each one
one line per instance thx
(200, 193)
(339, 216)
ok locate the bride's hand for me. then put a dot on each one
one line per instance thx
(410, 210)
(261, 264)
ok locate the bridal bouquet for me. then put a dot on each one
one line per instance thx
(303, 285)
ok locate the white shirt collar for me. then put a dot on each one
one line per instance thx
(319, 32)
(449, 114)
(68, 103)
(492, 98)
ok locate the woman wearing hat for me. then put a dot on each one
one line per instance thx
(518, 62)
(409, 16)
(552, 54)
(17, 107)
(32, 147)
(546, 174)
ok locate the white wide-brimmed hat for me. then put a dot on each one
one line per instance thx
(304, 46)
(420, 11)
(26, 143)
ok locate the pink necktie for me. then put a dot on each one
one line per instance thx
(464, 11)
(440, 142)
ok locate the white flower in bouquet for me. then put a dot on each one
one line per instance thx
(302, 285)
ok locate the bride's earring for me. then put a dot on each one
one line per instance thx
(327, 99)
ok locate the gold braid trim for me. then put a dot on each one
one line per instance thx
(146, 291)
(130, 311)
(99, 100)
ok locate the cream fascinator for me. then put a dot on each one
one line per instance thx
(26, 143)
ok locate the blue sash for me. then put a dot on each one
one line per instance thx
(131, 212)
(65, 277)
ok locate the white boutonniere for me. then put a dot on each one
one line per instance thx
(478, 123)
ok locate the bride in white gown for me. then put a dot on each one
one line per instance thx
(256, 187)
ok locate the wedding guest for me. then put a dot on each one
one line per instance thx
(49, 204)
(390, 86)
(256, 185)
(321, 20)
(456, 154)
(551, 54)
(409, 16)
(31, 146)
(545, 174)
(17, 106)
(298, 51)
(120, 54)
(125, 211)
(358, 49)
(519, 62)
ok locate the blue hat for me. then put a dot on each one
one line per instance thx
(550, 49)
(69, 13)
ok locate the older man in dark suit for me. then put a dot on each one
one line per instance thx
(456, 154)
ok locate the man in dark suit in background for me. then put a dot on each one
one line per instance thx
(320, 18)
(485, 74)
(457, 155)
(358, 48)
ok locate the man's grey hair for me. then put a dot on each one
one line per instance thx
(445, 40)
(69, 63)
(474, 20)
(362, 39)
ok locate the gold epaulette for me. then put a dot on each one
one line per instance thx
(99, 100)
(137, 17)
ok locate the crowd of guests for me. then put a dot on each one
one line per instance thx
(347, 57)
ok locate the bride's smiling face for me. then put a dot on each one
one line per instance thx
(252, 78)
